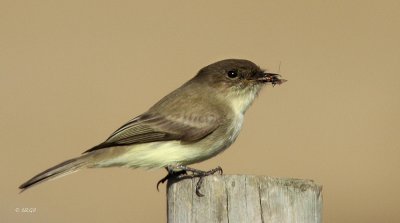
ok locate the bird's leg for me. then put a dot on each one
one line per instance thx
(172, 174)
(200, 174)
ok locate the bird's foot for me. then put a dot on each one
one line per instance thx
(171, 175)
(182, 173)
(201, 174)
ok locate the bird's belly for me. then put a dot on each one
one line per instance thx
(164, 153)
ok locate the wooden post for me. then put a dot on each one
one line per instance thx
(243, 198)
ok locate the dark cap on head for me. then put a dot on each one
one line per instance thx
(236, 72)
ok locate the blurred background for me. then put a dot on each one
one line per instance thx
(71, 72)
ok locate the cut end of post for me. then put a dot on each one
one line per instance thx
(244, 198)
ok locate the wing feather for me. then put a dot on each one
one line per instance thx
(155, 127)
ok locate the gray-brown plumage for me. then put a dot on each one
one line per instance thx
(193, 123)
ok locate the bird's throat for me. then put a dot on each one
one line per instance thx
(241, 100)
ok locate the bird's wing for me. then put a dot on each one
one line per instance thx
(154, 127)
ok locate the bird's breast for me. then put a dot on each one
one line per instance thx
(225, 136)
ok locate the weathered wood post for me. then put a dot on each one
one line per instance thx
(243, 198)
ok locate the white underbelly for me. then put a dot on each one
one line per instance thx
(164, 153)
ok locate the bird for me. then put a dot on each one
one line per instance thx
(193, 123)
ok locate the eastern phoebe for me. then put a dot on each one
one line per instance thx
(193, 123)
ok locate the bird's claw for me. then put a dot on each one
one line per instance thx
(195, 173)
(201, 176)
(171, 175)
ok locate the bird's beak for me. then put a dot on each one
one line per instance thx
(270, 78)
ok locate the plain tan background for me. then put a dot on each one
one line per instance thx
(71, 72)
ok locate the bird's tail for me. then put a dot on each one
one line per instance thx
(62, 169)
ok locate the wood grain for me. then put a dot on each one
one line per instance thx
(243, 198)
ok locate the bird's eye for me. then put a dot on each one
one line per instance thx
(232, 74)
